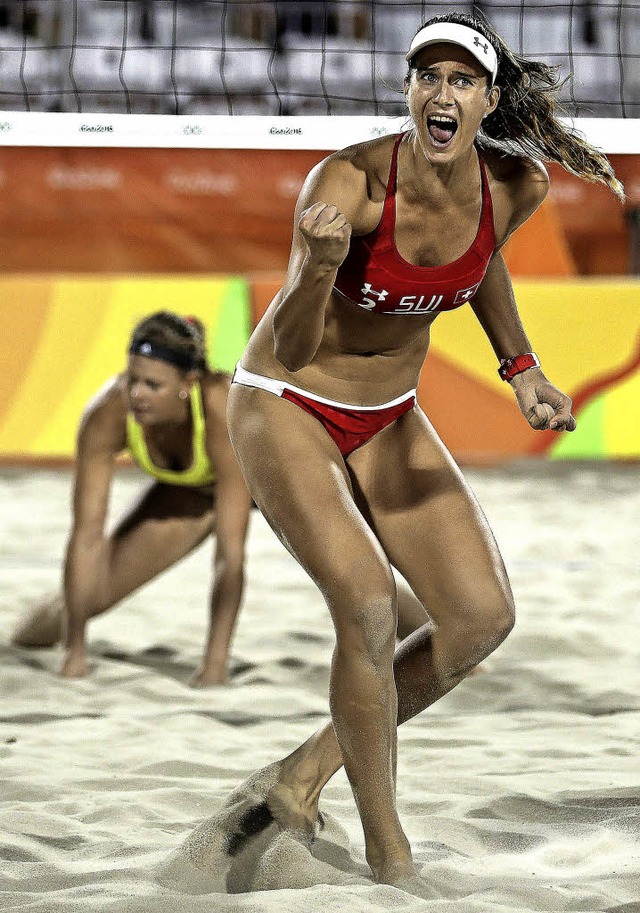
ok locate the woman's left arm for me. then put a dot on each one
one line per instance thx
(518, 192)
(542, 404)
(232, 505)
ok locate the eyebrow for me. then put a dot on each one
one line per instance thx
(434, 67)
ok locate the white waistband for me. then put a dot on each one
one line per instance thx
(248, 379)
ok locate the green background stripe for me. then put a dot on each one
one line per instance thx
(233, 326)
(587, 441)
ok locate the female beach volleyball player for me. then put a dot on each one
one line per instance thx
(322, 412)
(169, 411)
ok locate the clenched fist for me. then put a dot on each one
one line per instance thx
(327, 233)
(542, 404)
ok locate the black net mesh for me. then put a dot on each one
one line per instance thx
(286, 57)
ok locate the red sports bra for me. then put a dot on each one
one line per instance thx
(375, 277)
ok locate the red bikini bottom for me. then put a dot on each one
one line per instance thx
(350, 428)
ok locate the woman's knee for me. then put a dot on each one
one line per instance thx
(496, 616)
(505, 619)
(470, 636)
(365, 620)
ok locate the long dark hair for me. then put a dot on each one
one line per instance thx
(183, 335)
(526, 121)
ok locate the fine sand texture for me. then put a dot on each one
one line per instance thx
(520, 791)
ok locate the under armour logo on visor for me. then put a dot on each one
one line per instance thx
(481, 44)
(145, 348)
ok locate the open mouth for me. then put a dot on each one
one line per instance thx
(441, 129)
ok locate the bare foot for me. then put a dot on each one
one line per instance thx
(401, 874)
(261, 802)
(414, 884)
(41, 626)
(74, 665)
(252, 843)
(282, 802)
(208, 678)
(291, 809)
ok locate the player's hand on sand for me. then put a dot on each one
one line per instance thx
(542, 404)
(327, 233)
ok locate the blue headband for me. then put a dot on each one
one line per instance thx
(181, 360)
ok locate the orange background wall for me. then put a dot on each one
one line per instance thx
(230, 211)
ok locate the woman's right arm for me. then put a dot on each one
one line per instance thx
(331, 201)
(100, 438)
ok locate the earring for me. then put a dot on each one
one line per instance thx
(183, 394)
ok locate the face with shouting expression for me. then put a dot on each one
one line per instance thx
(448, 95)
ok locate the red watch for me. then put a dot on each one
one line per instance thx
(509, 367)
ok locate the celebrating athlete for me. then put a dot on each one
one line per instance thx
(343, 463)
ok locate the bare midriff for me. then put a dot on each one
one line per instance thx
(363, 359)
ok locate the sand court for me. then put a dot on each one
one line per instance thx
(520, 791)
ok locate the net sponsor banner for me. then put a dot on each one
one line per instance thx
(62, 338)
(191, 132)
(219, 131)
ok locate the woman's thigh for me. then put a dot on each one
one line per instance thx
(163, 525)
(298, 479)
(429, 523)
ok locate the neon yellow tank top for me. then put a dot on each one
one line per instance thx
(199, 473)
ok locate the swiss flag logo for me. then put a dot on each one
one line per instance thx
(465, 294)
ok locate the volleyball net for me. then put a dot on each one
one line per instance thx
(284, 57)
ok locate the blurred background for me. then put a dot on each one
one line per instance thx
(91, 239)
(287, 57)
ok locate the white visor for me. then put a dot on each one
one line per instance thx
(454, 33)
